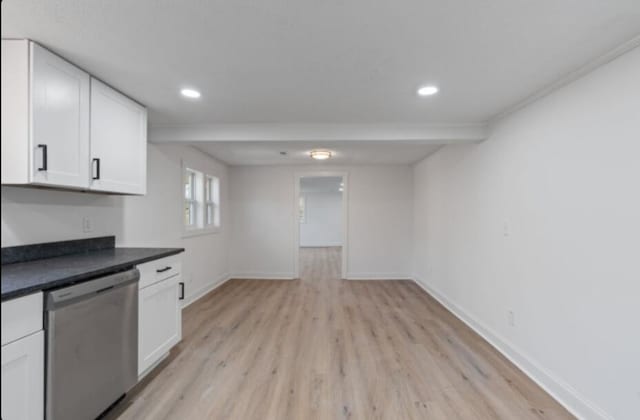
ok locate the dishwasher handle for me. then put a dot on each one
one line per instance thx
(68, 295)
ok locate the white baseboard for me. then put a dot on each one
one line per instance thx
(335, 245)
(378, 276)
(264, 276)
(206, 289)
(565, 394)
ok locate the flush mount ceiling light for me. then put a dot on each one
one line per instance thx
(427, 90)
(190, 93)
(320, 154)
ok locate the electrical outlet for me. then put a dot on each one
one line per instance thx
(87, 224)
(511, 318)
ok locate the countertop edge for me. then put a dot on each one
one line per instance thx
(86, 276)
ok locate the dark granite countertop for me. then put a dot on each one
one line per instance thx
(23, 278)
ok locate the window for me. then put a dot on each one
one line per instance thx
(201, 206)
(190, 198)
(212, 201)
(302, 209)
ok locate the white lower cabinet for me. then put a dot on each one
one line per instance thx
(23, 358)
(23, 378)
(159, 317)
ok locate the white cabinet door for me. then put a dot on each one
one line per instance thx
(23, 378)
(118, 142)
(159, 321)
(59, 141)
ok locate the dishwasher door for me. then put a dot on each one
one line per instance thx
(92, 345)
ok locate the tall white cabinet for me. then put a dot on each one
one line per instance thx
(63, 128)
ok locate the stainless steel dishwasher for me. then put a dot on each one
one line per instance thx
(92, 345)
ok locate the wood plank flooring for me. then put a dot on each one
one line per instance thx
(325, 348)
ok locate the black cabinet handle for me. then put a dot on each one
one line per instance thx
(162, 270)
(97, 164)
(181, 291)
(44, 157)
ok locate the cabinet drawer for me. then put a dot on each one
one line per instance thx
(158, 270)
(21, 317)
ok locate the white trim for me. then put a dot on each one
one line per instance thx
(190, 233)
(206, 289)
(324, 245)
(153, 366)
(565, 394)
(264, 276)
(345, 216)
(431, 133)
(568, 78)
(378, 276)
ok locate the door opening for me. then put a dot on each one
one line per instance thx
(321, 225)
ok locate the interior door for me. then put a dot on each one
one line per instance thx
(118, 141)
(59, 121)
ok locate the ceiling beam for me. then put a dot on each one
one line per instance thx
(430, 133)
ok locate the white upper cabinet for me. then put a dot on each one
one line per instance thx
(59, 121)
(118, 141)
(61, 128)
(45, 118)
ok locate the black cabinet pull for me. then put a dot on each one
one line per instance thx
(162, 270)
(44, 157)
(181, 291)
(97, 164)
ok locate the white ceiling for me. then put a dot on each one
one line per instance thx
(332, 61)
(297, 152)
(280, 75)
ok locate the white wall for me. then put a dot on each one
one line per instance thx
(31, 215)
(544, 219)
(380, 218)
(323, 224)
(38, 215)
(156, 219)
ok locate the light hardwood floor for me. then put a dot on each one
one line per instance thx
(325, 348)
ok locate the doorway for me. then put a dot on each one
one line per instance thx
(321, 222)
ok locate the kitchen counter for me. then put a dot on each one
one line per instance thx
(23, 278)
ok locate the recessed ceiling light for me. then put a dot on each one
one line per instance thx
(190, 93)
(320, 154)
(427, 90)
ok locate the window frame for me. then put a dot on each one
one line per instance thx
(199, 200)
(190, 202)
